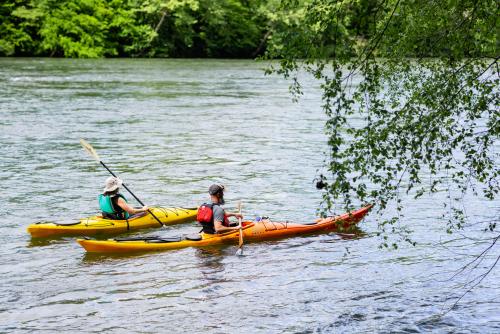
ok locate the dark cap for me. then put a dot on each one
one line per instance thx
(215, 189)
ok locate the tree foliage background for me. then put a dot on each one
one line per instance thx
(133, 28)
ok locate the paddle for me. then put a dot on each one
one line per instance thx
(240, 247)
(91, 151)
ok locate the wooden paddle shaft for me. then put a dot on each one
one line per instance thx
(241, 227)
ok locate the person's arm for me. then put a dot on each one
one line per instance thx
(234, 214)
(220, 228)
(121, 202)
(219, 218)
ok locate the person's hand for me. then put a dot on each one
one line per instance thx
(238, 215)
(145, 208)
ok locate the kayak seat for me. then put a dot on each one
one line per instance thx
(193, 237)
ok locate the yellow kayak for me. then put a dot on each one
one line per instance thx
(97, 225)
(252, 232)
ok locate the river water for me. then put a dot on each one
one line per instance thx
(170, 128)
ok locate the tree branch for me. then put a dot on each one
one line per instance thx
(158, 26)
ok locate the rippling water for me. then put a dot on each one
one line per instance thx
(170, 128)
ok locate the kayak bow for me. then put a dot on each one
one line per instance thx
(97, 225)
(252, 231)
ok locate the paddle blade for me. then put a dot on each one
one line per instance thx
(239, 252)
(90, 150)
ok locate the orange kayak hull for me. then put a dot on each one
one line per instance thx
(252, 232)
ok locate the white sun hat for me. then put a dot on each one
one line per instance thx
(112, 183)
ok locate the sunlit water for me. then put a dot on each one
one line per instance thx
(170, 128)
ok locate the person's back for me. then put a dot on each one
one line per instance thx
(108, 202)
(212, 217)
(114, 205)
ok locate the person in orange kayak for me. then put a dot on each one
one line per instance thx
(113, 204)
(212, 217)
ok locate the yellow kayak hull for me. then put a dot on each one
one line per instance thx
(252, 232)
(97, 225)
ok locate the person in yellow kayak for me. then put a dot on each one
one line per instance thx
(212, 217)
(113, 204)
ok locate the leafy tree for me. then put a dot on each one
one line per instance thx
(18, 27)
(173, 23)
(228, 29)
(417, 115)
(92, 28)
(164, 28)
(202, 28)
(79, 28)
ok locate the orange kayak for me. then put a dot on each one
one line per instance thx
(252, 232)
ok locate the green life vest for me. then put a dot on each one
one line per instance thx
(108, 210)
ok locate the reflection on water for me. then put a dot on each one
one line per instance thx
(41, 242)
(210, 262)
(170, 128)
(96, 259)
(353, 233)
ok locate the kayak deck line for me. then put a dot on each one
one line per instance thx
(175, 210)
(252, 232)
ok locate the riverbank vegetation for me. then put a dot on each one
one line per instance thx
(226, 28)
(130, 28)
